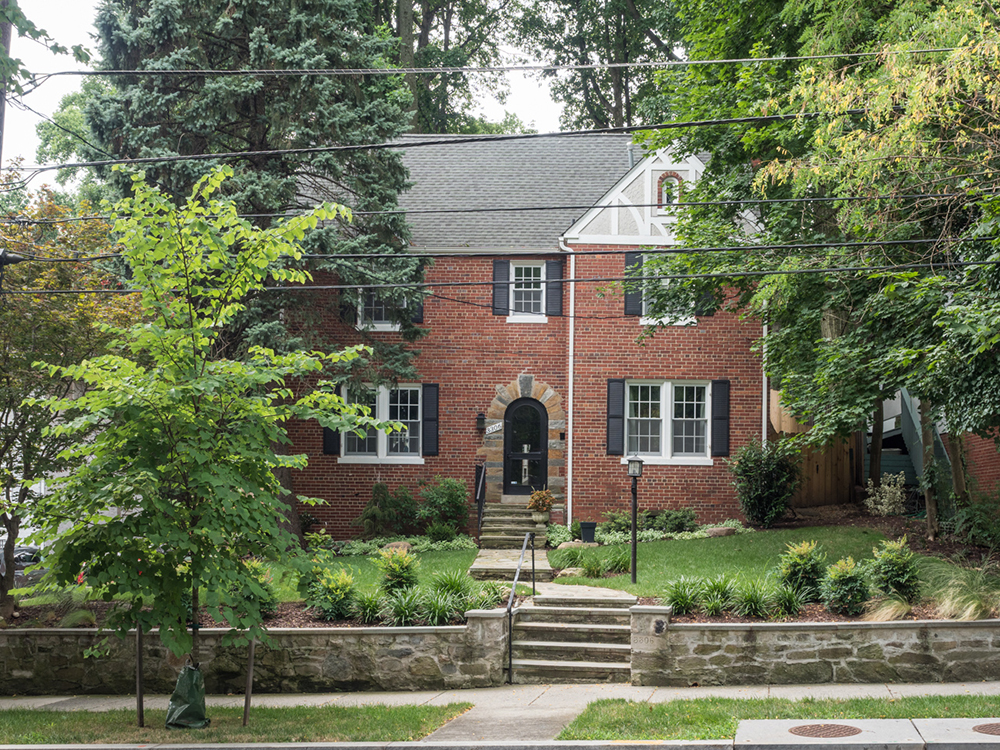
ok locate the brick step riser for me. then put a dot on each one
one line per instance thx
(570, 636)
(539, 676)
(583, 617)
(567, 651)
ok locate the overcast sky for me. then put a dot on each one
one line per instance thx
(71, 22)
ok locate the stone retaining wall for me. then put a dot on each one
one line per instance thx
(665, 653)
(50, 661)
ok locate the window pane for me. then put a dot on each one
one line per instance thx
(689, 425)
(367, 442)
(644, 428)
(374, 310)
(527, 290)
(404, 406)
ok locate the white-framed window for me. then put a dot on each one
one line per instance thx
(667, 421)
(648, 320)
(374, 313)
(527, 293)
(400, 404)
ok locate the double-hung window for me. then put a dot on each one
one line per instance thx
(412, 406)
(527, 291)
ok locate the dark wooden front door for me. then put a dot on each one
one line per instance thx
(526, 447)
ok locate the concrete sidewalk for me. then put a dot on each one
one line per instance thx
(518, 713)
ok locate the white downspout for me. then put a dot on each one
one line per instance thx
(765, 401)
(570, 381)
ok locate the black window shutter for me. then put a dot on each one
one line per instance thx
(501, 291)
(705, 307)
(616, 417)
(429, 426)
(720, 417)
(553, 287)
(348, 310)
(331, 442)
(633, 297)
(418, 312)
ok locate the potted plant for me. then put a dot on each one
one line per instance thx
(540, 504)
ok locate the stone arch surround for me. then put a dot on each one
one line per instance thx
(525, 386)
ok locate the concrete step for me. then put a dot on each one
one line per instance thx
(567, 650)
(540, 671)
(591, 602)
(571, 632)
(582, 615)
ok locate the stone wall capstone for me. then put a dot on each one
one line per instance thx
(48, 661)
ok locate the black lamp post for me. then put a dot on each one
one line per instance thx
(634, 471)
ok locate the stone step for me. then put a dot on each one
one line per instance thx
(567, 650)
(507, 574)
(590, 602)
(503, 541)
(518, 531)
(583, 615)
(506, 510)
(572, 631)
(540, 671)
(524, 523)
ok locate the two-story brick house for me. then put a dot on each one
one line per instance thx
(534, 337)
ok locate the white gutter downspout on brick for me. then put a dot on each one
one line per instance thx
(764, 400)
(570, 380)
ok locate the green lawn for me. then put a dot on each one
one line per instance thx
(299, 724)
(751, 554)
(716, 718)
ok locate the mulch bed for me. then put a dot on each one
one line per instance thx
(297, 615)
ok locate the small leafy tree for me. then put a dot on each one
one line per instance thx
(765, 476)
(178, 486)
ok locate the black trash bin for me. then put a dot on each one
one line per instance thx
(587, 531)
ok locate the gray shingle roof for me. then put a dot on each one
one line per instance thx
(566, 171)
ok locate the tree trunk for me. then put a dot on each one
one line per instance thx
(404, 27)
(927, 441)
(875, 449)
(195, 625)
(956, 452)
(12, 525)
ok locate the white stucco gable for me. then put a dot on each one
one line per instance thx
(632, 212)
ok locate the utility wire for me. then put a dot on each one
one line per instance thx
(542, 67)
(593, 280)
(526, 209)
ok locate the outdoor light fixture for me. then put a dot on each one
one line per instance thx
(634, 471)
(480, 421)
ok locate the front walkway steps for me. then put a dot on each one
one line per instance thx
(500, 565)
(569, 636)
(505, 524)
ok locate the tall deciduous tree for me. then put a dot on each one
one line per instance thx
(177, 487)
(56, 327)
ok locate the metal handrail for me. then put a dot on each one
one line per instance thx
(480, 495)
(510, 602)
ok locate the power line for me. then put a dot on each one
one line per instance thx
(543, 67)
(592, 280)
(526, 209)
(757, 119)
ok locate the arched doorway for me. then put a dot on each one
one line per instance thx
(526, 433)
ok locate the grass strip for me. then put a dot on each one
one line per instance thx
(295, 724)
(716, 718)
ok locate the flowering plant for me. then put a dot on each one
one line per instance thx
(541, 501)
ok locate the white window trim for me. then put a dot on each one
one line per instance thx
(515, 317)
(647, 321)
(382, 455)
(666, 420)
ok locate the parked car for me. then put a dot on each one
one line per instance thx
(25, 557)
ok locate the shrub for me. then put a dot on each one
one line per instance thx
(683, 595)
(801, 567)
(264, 594)
(441, 532)
(556, 535)
(765, 476)
(444, 501)
(674, 521)
(398, 569)
(441, 607)
(619, 560)
(452, 582)
(367, 606)
(387, 513)
(575, 530)
(844, 588)
(894, 570)
(979, 523)
(786, 601)
(752, 597)
(621, 521)
(332, 594)
(889, 498)
(402, 607)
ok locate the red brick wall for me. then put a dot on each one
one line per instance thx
(982, 463)
(469, 352)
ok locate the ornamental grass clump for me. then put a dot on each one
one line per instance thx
(441, 607)
(683, 595)
(454, 581)
(893, 570)
(398, 568)
(402, 607)
(752, 597)
(786, 602)
(801, 567)
(367, 606)
(844, 589)
(618, 561)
